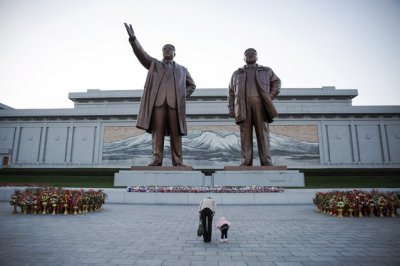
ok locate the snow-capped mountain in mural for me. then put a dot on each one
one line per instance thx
(210, 148)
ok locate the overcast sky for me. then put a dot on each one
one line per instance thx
(49, 48)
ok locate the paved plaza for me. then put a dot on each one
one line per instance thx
(128, 234)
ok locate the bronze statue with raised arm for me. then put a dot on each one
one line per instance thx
(162, 109)
(251, 91)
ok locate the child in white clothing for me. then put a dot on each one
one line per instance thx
(223, 225)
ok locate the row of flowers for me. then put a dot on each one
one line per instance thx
(24, 185)
(205, 189)
(56, 200)
(357, 203)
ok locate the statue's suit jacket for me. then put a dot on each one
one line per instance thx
(268, 87)
(184, 87)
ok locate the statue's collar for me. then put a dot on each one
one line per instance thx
(165, 61)
(252, 66)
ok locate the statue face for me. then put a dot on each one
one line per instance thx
(168, 52)
(250, 57)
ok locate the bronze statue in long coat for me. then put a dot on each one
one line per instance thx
(251, 91)
(163, 105)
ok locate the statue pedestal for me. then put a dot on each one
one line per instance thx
(161, 176)
(258, 176)
(255, 168)
(162, 168)
(230, 176)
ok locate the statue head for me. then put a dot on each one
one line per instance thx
(168, 51)
(250, 56)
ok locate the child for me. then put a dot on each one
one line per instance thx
(223, 225)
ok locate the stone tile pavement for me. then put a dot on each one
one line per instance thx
(127, 234)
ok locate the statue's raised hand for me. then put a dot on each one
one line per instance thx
(130, 31)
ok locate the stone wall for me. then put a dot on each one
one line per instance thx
(298, 144)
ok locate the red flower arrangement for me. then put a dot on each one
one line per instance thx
(357, 202)
(57, 200)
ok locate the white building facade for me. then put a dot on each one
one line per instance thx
(316, 128)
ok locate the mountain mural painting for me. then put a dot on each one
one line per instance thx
(210, 148)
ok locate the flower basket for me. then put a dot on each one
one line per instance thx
(54, 201)
(357, 203)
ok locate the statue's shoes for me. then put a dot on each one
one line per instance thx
(155, 164)
(180, 164)
(267, 164)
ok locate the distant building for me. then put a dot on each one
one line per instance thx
(316, 128)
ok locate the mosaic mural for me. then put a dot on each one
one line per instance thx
(212, 146)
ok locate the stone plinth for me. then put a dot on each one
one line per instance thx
(160, 177)
(162, 168)
(257, 167)
(282, 178)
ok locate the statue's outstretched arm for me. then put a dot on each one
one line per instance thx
(140, 53)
